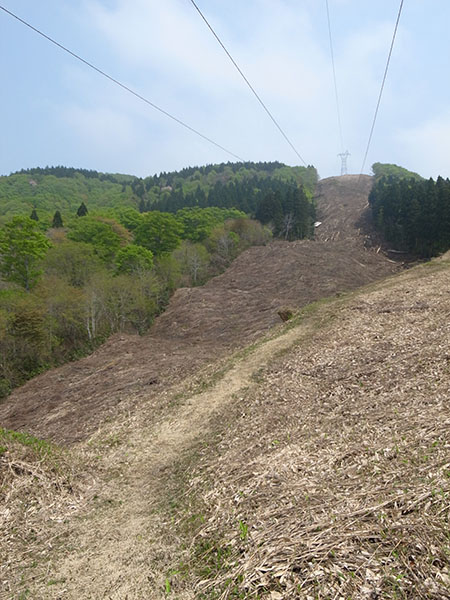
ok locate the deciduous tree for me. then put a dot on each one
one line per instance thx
(106, 235)
(158, 232)
(133, 259)
(22, 248)
(74, 262)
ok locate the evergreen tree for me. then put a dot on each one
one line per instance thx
(34, 215)
(82, 210)
(142, 206)
(304, 215)
(270, 210)
(138, 188)
(57, 220)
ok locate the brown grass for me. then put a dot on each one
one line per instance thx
(40, 487)
(338, 462)
(315, 466)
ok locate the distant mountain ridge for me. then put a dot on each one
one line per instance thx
(64, 188)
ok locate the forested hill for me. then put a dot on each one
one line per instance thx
(239, 185)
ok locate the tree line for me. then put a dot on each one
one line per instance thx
(239, 185)
(413, 214)
(309, 173)
(70, 172)
(252, 196)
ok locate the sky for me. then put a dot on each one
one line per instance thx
(56, 111)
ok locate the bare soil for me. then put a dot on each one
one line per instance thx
(203, 324)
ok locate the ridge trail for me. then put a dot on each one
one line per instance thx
(110, 552)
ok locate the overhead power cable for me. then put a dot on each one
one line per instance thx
(382, 86)
(255, 93)
(122, 85)
(338, 107)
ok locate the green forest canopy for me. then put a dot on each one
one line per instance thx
(63, 292)
(391, 170)
(62, 188)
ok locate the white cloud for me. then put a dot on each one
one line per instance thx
(162, 39)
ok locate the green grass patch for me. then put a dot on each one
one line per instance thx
(41, 447)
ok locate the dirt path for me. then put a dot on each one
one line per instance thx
(112, 550)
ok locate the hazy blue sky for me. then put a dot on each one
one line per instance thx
(54, 110)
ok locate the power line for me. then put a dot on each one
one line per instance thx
(255, 93)
(123, 86)
(382, 85)
(338, 109)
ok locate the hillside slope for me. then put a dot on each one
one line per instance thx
(203, 324)
(312, 465)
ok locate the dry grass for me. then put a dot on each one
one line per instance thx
(333, 480)
(40, 487)
(316, 467)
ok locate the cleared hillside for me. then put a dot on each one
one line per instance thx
(329, 476)
(312, 465)
(203, 324)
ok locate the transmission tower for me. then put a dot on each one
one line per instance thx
(344, 156)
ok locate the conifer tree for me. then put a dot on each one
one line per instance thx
(413, 214)
(82, 210)
(270, 209)
(57, 220)
(34, 215)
